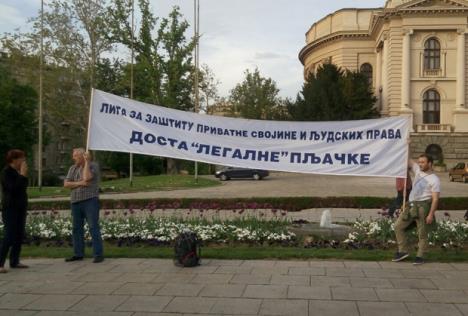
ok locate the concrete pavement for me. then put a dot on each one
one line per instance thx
(137, 287)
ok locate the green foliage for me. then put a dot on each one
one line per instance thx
(163, 55)
(256, 98)
(18, 103)
(334, 95)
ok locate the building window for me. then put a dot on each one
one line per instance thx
(431, 107)
(366, 70)
(432, 54)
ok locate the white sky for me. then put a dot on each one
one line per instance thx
(236, 34)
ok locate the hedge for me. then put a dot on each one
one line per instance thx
(291, 204)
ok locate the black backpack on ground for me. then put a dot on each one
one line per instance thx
(187, 250)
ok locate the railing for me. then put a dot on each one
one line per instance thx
(433, 128)
(432, 72)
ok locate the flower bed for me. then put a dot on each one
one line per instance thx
(162, 230)
(45, 226)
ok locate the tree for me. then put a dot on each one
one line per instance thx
(208, 85)
(334, 95)
(17, 106)
(163, 69)
(256, 97)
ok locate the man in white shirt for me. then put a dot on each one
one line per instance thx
(421, 208)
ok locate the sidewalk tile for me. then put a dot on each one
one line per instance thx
(329, 281)
(236, 306)
(145, 304)
(382, 309)
(284, 307)
(353, 294)
(180, 290)
(173, 278)
(400, 295)
(463, 308)
(100, 303)
(332, 308)
(371, 282)
(136, 277)
(383, 273)
(16, 301)
(234, 269)
(223, 290)
(194, 305)
(432, 309)
(309, 292)
(266, 291)
(344, 272)
(250, 279)
(98, 288)
(212, 278)
(362, 265)
(135, 288)
(290, 279)
(445, 296)
(413, 284)
(306, 271)
(54, 302)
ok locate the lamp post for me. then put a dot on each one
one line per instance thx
(39, 150)
(196, 51)
(131, 89)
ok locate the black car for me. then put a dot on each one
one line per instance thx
(237, 173)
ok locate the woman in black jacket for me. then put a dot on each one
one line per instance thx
(14, 205)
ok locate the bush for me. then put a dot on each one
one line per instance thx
(290, 204)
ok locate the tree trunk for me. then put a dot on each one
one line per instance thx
(172, 166)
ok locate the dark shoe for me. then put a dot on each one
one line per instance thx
(98, 259)
(3, 270)
(418, 261)
(400, 256)
(19, 266)
(74, 258)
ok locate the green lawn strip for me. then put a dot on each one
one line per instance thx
(140, 184)
(245, 253)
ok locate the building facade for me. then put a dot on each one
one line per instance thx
(415, 53)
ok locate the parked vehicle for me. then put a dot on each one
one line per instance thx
(459, 172)
(238, 173)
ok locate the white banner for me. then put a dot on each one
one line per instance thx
(375, 147)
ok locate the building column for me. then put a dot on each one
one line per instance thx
(384, 79)
(461, 64)
(406, 70)
(378, 77)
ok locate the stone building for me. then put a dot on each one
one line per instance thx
(415, 54)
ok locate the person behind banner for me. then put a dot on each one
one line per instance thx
(423, 202)
(83, 180)
(14, 207)
(400, 187)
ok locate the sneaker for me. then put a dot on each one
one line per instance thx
(74, 258)
(400, 256)
(19, 266)
(418, 261)
(98, 259)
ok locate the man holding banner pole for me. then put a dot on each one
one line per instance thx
(83, 180)
(423, 202)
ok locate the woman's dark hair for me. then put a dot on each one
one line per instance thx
(14, 154)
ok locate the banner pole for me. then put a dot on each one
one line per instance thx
(406, 175)
(89, 118)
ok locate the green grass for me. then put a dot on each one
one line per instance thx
(245, 252)
(140, 184)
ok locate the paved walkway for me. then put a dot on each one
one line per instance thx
(291, 184)
(137, 287)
